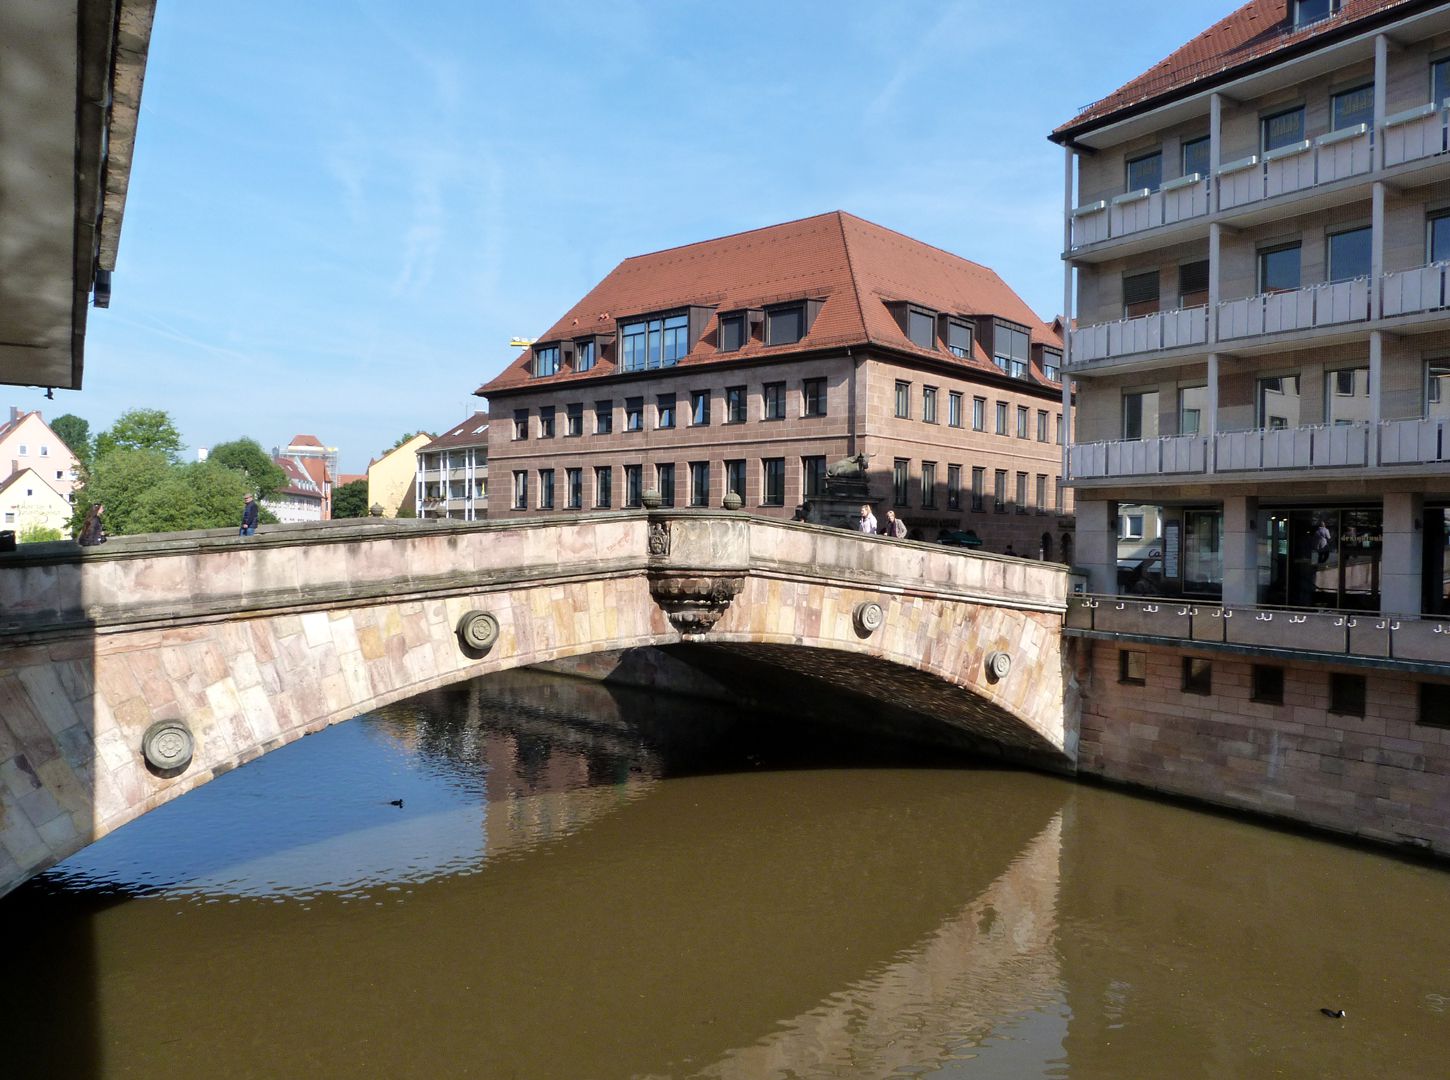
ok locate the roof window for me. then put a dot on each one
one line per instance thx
(546, 360)
(1313, 11)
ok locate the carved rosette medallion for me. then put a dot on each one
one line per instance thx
(999, 665)
(694, 602)
(867, 617)
(167, 747)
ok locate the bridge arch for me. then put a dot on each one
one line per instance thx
(254, 645)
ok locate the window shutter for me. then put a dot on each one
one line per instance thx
(1140, 288)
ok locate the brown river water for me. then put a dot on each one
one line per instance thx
(591, 882)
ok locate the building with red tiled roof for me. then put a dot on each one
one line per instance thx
(302, 498)
(319, 462)
(749, 362)
(452, 480)
(1258, 260)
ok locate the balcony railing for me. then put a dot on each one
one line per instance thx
(1414, 442)
(1294, 309)
(1336, 633)
(1416, 133)
(1135, 211)
(1407, 292)
(1165, 455)
(1335, 446)
(1145, 333)
(1332, 156)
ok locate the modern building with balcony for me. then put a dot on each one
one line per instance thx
(1256, 250)
(747, 364)
(452, 472)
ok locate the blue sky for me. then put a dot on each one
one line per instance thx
(340, 213)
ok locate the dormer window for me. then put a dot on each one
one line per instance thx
(1052, 366)
(732, 332)
(655, 342)
(785, 325)
(959, 338)
(584, 354)
(921, 328)
(1312, 11)
(1010, 348)
(546, 360)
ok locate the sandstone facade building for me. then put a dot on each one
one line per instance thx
(751, 362)
(1257, 246)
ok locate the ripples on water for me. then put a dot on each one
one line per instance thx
(589, 882)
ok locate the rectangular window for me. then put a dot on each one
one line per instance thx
(546, 489)
(583, 355)
(999, 491)
(732, 332)
(1057, 428)
(1130, 526)
(1146, 172)
(574, 419)
(813, 397)
(1434, 705)
(813, 476)
(521, 490)
(546, 421)
(1011, 348)
(979, 488)
(979, 414)
(1277, 402)
(1437, 388)
(774, 401)
(785, 326)
(1051, 365)
(735, 405)
(1140, 414)
(903, 400)
(1001, 418)
(633, 485)
(521, 424)
(1197, 675)
(1440, 82)
(546, 360)
(954, 487)
(1279, 268)
(921, 328)
(928, 485)
(699, 483)
(1057, 502)
(648, 344)
(634, 414)
(959, 339)
(1437, 242)
(1193, 284)
(603, 417)
(1195, 156)
(699, 408)
(1192, 404)
(1282, 129)
(1022, 413)
(1022, 493)
(1346, 694)
(1267, 684)
(665, 411)
(735, 478)
(1041, 425)
(665, 482)
(928, 404)
(603, 486)
(1346, 397)
(1041, 493)
(1132, 667)
(900, 481)
(574, 480)
(1140, 294)
(1350, 108)
(1349, 254)
(772, 476)
(954, 409)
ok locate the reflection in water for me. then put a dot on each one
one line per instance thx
(587, 882)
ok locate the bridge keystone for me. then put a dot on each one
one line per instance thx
(693, 601)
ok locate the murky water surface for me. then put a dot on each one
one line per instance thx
(591, 883)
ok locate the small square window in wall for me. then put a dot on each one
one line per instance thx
(1132, 667)
(1435, 705)
(1346, 694)
(1268, 684)
(1197, 675)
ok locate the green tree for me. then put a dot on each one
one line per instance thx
(141, 429)
(37, 534)
(75, 433)
(264, 475)
(404, 438)
(350, 500)
(119, 480)
(199, 495)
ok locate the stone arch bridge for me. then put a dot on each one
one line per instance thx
(239, 646)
